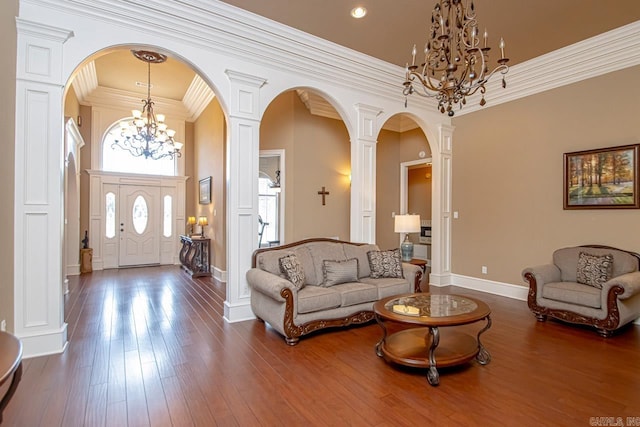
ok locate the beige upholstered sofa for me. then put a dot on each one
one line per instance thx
(330, 284)
(592, 285)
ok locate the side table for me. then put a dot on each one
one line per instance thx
(423, 265)
(195, 255)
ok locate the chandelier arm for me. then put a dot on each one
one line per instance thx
(456, 64)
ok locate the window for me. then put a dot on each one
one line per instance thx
(167, 217)
(268, 208)
(110, 215)
(115, 159)
(140, 214)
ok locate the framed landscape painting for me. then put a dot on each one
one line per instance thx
(606, 178)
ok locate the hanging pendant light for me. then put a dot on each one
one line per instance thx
(147, 134)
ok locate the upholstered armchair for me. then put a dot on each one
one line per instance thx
(591, 285)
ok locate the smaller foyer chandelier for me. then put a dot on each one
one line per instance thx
(456, 60)
(147, 134)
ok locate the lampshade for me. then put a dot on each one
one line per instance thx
(191, 220)
(202, 221)
(407, 223)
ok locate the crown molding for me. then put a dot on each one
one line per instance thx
(85, 82)
(319, 106)
(116, 98)
(225, 29)
(197, 97)
(605, 53)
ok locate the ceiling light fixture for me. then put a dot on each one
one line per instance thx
(456, 60)
(358, 12)
(147, 133)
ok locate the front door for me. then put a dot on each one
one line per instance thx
(139, 225)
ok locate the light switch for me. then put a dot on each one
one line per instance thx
(455, 215)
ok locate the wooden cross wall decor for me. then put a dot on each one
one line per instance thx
(323, 193)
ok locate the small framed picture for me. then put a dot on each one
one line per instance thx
(606, 178)
(205, 191)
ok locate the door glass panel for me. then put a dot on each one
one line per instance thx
(110, 220)
(140, 214)
(167, 217)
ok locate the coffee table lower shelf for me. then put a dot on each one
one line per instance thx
(411, 347)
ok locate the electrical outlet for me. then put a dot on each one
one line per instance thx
(484, 269)
(3, 325)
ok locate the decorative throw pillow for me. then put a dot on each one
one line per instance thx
(336, 272)
(594, 270)
(385, 264)
(292, 270)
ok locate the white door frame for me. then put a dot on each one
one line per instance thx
(281, 205)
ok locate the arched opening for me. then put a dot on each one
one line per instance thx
(304, 125)
(102, 93)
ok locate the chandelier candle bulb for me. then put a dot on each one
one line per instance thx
(413, 54)
(456, 61)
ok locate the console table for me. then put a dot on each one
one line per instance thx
(195, 255)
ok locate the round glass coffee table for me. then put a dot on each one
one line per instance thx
(423, 344)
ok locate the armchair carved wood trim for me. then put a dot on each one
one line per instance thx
(620, 293)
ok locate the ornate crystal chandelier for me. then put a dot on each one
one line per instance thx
(147, 134)
(456, 59)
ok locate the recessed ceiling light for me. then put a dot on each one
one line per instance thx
(358, 12)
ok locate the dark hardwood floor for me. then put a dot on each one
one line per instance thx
(148, 346)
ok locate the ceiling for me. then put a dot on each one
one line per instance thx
(530, 28)
(389, 31)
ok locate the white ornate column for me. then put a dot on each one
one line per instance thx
(39, 169)
(363, 176)
(243, 153)
(442, 205)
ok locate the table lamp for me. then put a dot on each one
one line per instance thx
(191, 221)
(407, 224)
(202, 222)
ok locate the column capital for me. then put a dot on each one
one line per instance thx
(367, 121)
(244, 95)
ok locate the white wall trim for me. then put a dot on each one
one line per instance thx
(483, 285)
(218, 274)
(44, 344)
(605, 53)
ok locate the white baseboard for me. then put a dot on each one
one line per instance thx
(43, 344)
(483, 285)
(238, 312)
(73, 270)
(219, 275)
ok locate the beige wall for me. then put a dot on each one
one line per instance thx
(317, 154)
(209, 136)
(8, 40)
(508, 176)
(71, 104)
(85, 163)
(419, 193)
(392, 149)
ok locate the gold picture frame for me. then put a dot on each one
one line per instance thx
(605, 178)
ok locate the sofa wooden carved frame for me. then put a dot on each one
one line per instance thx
(605, 327)
(294, 332)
